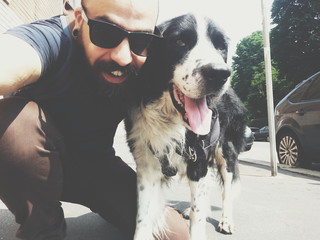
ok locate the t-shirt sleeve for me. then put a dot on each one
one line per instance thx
(51, 39)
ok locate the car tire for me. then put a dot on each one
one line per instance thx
(289, 149)
(247, 148)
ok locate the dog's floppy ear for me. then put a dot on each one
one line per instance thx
(156, 48)
(151, 75)
(154, 61)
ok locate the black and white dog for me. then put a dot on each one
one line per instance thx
(188, 121)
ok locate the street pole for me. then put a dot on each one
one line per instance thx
(270, 104)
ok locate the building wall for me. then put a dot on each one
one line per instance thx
(15, 12)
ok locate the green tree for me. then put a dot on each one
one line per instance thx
(295, 40)
(249, 53)
(248, 77)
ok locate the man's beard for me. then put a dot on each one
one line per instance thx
(124, 91)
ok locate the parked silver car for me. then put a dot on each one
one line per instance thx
(297, 120)
(248, 134)
(262, 134)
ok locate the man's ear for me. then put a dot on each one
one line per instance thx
(77, 14)
(70, 11)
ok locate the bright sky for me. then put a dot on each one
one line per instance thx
(239, 18)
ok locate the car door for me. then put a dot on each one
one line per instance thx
(308, 117)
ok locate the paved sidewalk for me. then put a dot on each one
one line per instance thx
(260, 155)
(268, 208)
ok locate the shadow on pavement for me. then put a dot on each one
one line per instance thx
(89, 226)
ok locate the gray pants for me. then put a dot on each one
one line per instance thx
(38, 169)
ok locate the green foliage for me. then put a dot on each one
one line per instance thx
(295, 40)
(295, 52)
(248, 78)
(249, 52)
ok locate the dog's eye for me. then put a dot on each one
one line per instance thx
(180, 43)
(220, 43)
(186, 38)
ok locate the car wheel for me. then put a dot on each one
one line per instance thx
(289, 149)
(247, 148)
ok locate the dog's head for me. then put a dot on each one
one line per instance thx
(191, 62)
(196, 48)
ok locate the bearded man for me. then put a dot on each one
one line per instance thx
(70, 79)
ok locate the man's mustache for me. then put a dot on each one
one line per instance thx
(124, 91)
(102, 66)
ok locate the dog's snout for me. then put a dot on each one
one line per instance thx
(219, 75)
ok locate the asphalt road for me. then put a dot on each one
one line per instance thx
(268, 208)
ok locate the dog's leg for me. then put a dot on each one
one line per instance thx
(226, 222)
(227, 177)
(151, 205)
(198, 208)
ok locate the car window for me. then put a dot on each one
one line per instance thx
(313, 91)
(297, 95)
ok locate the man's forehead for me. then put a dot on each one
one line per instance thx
(141, 14)
(152, 4)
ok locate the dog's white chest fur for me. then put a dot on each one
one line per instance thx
(157, 130)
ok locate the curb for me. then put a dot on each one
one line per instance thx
(297, 170)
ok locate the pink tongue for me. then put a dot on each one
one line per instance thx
(198, 114)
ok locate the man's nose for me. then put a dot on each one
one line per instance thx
(121, 54)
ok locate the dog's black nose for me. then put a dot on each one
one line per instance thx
(216, 75)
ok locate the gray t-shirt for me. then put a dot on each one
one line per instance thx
(67, 89)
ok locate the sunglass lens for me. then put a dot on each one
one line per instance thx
(105, 36)
(139, 43)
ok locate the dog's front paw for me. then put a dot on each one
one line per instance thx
(226, 226)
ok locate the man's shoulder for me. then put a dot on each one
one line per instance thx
(52, 41)
(53, 25)
(51, 33)
(49, 37)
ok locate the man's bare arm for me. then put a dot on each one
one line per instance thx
(20, 64)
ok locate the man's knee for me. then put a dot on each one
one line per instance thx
(25, 134)
(27, 144)
(27, 156)
(18, 118)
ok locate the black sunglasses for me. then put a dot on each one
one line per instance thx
(108, 35)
